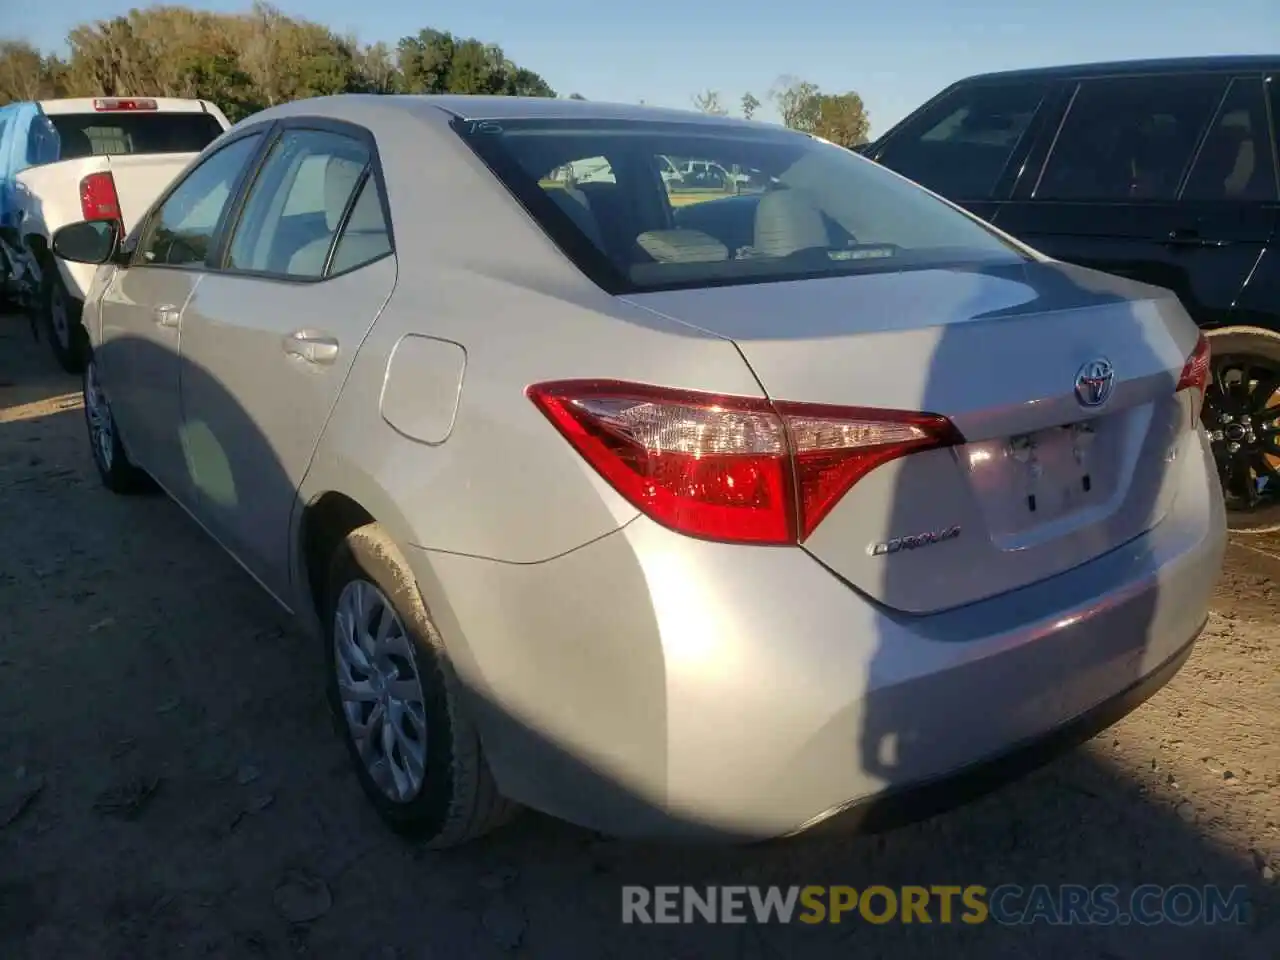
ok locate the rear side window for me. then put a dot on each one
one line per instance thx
(1129, 138)
(300, 201)
(116, 133)
(1235, 161)
(1273, 89)
(750, 205)
(959, 146)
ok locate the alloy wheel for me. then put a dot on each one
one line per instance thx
(380, 690)
(98, 413)
(1242, 418)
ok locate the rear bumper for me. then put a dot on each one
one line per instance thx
(652, 685)
(898, 807)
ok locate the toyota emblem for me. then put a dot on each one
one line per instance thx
(1094, 382)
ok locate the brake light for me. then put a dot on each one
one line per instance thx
(107, 104)
(735, 469)
(1195, 373)
(1195, 376)
(98, 200)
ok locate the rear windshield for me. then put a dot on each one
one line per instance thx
(642, 205)
(101, 134)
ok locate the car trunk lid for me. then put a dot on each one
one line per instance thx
(1015, 356)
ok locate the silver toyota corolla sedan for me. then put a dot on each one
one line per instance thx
(670, 509)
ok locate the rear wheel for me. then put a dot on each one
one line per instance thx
(398, 702)
(1242, 417)
(60, 317)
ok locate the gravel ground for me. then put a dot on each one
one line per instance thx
(170, 784)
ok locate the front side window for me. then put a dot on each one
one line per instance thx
(752, 205)
(961, 145)
(1129, 138)
(297, 205)
(1235, 162)
(181, 231)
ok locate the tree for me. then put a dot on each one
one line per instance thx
(709, 102)
(798, 103)
(842, 119)
(25, 74)
(377, 68)
(247, 61)
(576, 96)
(749, 105)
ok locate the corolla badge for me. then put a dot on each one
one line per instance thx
(1094, 382)
(913, 542)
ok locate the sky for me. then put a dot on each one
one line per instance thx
(895, 54)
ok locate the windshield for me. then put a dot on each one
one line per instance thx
(643, 205)
(122, 133)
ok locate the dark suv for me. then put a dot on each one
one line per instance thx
(1164, 171)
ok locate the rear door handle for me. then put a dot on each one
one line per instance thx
(1190, 237)
(167, 315)
(311, 346)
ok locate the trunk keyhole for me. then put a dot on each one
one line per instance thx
(1031, 502)
(1086, 483)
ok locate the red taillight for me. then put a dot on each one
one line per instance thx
(105, 104)
(1195, 373)
(735, 469)
(1195, 376)
(98, 200)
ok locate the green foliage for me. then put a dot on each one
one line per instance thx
(246, 62)
(749, 105)
(838, 117)
(842, 119)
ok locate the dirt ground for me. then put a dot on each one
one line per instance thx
(170, 784)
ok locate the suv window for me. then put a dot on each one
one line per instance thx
(1235, 161)
(181, 230)
(298, 203)
(1129, 138)
(960, 145)
(816, 209)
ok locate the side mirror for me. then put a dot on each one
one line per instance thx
(89, 241)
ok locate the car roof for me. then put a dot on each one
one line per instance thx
(479, 107)
(513, 108)
(1250, 64)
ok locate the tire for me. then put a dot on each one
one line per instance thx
(456, 799)
(60, 319)
(117, 472)
(1262, 346)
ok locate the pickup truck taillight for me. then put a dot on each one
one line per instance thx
(115, 103)
(98, 200)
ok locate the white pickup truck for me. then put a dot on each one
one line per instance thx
(105, 158)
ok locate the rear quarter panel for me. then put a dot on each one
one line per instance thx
(475, 270)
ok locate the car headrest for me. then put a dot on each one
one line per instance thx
(787, 222)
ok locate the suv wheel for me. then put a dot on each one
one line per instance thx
(397, 701)
(1242, 417)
